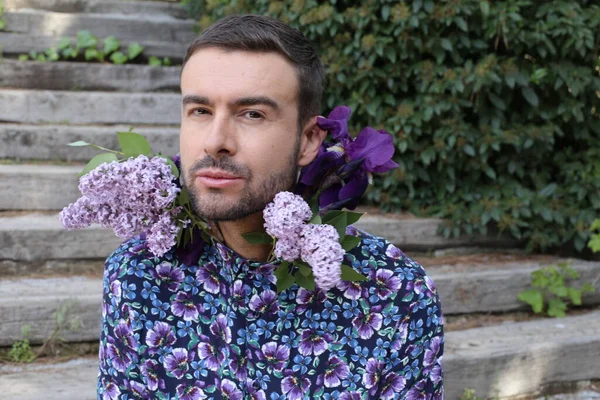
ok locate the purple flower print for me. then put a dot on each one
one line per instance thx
(124, 335)
(229, 390)
(386, 283)
(239, 291)
(178, 362)
(169, 275)
(184, 306)
(239, 365)
(367, 324)
(431, 353)
(160, 335)
(265, 302)
(115, 290)
(274, 355)
(137, 390)
(417, 393)
(306, 297)
(391, 384)
(372, 375)
(394, 252)
(186, 392)
(351, 290)
(110, 390)
(212, 354)
(219, 328)
(208, 275)
(150, 372)
(336, 371)
(311, 342)
(119, 358)
(254, 392)
(435, 375)
(294, 387)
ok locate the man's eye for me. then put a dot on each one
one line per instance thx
(254, 115)
(199, 111)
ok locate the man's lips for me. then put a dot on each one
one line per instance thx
(217, 178)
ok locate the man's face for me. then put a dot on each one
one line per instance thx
(239, 138)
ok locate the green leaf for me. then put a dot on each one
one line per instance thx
(485, 8)
(285, 280)
(306, 282)
(556, 308)
(97, 161)
(594, 243)
(63, 43)
(92, 54)
(304, 269)
(257, 238)
(316, 219)
(78, 143)
(183, 197)
(111, 44)
(118, 58)
(154, 61)
(134, 50)
(595, 225)
(575, 296)
(350, 242)
(351, 275)
(446, 44)
(353, 217)
(530, 96)
(133, 144)
(339, 222)
(86, 40)
(469, 150)
(534, 298)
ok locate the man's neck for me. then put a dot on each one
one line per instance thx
(232, 235)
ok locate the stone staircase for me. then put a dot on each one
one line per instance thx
(45, 270)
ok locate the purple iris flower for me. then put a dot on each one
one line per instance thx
(220, 328)
(168, 274)
(151, 373)
(195, 392)
(372, 375)
(337, 370)
(229, 390)
(110, 390)
(125, 336)
(391, 385)
(387, 283)
(208, 275)
(368, 323)
(265, 302)
(275, 355)
(119, 358)
(294, 387)
(431, 353)
(354, 160)
(184, 306)
(136, 389)
(212, 354)
(313, 342)
(178, 362)
(160, 335)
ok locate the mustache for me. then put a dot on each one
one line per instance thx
(224, 163)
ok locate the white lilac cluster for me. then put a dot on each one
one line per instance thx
(130, 197)
(316, 244)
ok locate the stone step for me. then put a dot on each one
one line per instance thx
(100, 6)
(517, 359)
(125, 27)
(20, 43)
(39, 237)
(77, 76)
(498, 362)
(72, 380)
(63, 107)
(41, 303)
(49, 142)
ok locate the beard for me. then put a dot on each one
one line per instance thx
(257, 194)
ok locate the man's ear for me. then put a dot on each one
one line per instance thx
(310, 141)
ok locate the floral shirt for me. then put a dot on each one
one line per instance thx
(220, 330)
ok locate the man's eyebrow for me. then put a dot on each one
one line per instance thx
(194, 99)
(256, 100)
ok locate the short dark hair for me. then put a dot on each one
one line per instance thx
(257, 33)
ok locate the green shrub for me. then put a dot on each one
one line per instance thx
(550, 291)
(21, 351)
(85, 48)
(493, 104)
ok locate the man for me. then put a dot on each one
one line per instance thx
(251, 89)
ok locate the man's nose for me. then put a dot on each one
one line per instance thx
(221, 138)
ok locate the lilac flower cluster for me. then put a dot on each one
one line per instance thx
(130, 197)
(317, 244)
(284, 218)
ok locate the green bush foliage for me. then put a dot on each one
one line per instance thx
(494, 105)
